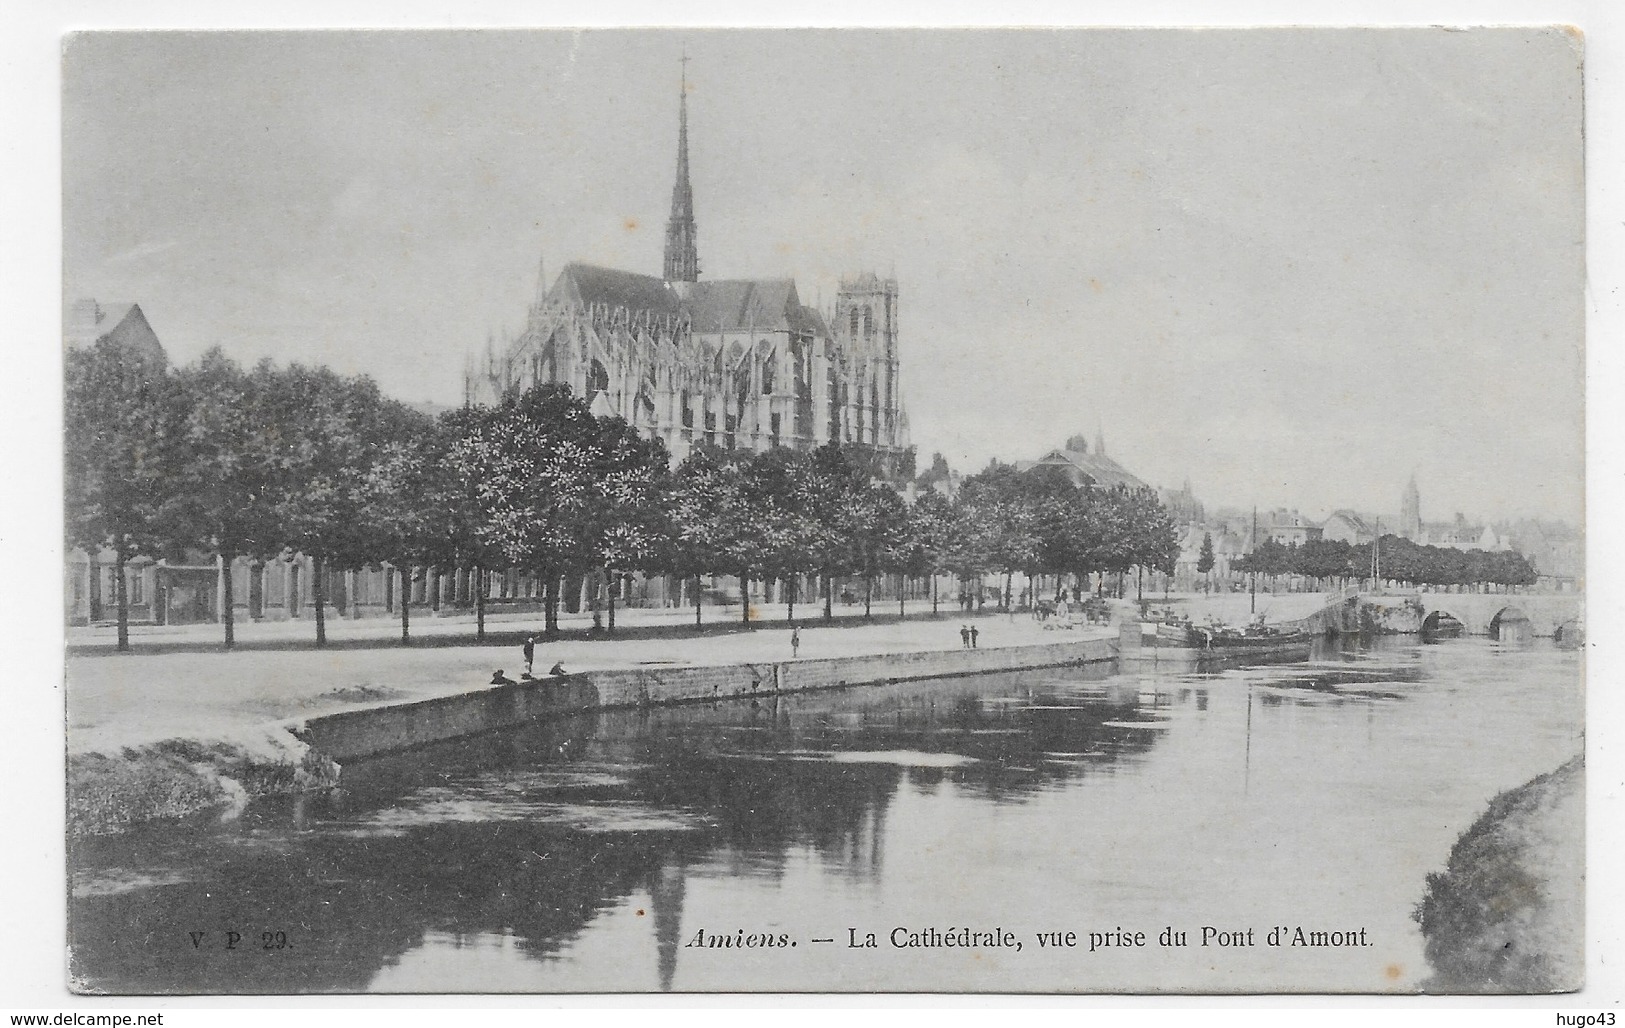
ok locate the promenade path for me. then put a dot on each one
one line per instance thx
(178, 683)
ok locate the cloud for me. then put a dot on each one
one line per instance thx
(135, 253)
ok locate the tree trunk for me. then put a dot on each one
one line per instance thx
(829, 593)
(318, 592)
(696, 601)
(902, 587)
(406, 605)
(744, 597)
(122, 593)
(550, 603)
(227, 603)
(790, 597)
(868, 594)
(479, 603)
(93, 594)
(609, 601)
(1009, 577)
(933, 594)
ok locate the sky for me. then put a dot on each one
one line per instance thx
(1293, 266)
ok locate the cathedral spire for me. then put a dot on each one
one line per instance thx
(682, 258)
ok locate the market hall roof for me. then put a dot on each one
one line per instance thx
(1101, 469)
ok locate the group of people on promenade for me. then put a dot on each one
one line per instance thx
(500, 677)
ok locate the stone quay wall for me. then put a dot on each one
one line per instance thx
(382, 729)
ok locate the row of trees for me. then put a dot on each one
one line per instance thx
(1400, 560)
(267, 463)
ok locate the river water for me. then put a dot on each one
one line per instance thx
(609, 852)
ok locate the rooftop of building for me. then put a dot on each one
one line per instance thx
(88, 322)
(719, 305)
(1102, 469)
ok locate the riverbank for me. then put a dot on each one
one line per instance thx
(167, 735)
(1508, 913)
(165, 732)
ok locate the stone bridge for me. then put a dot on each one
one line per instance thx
(1550, 615)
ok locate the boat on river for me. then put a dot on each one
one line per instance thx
(1170, 638)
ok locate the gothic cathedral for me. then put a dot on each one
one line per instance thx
(740, 364)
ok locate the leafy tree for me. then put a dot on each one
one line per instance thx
(239, 440)
(706, 501)
(834, 485)
(781, 495)
(532, 461)
(629, 528)
(1204, 557)
(1002, 507)
(126, 450)
(879, 520)
(933, 535)
(336, 437)
(420, 509)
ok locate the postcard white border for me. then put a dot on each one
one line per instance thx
(32, 938)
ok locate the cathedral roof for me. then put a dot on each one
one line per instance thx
(735, 305)
(741, 305)
(588, 284)
(807, 320)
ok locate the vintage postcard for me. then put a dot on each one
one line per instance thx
(974, 511)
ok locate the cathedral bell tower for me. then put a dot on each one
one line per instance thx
(682, 257)
(1410, 512)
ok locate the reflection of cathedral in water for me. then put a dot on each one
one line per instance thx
(534, 838)
(740, 364)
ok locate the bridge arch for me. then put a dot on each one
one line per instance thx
(1570, 633)
(1434, 611)
(1510, 623)
(1437, 620)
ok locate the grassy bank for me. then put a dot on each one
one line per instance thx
(178, 778)
(1508, 913)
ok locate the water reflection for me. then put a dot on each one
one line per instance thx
(535, 846)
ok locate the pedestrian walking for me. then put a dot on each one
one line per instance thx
(964, 637)
(530, 653)
(973, 634)
(795, 641)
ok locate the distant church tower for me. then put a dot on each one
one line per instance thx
(1410, 512)
(682, 256)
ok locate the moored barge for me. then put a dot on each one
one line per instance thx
(1179, 641)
